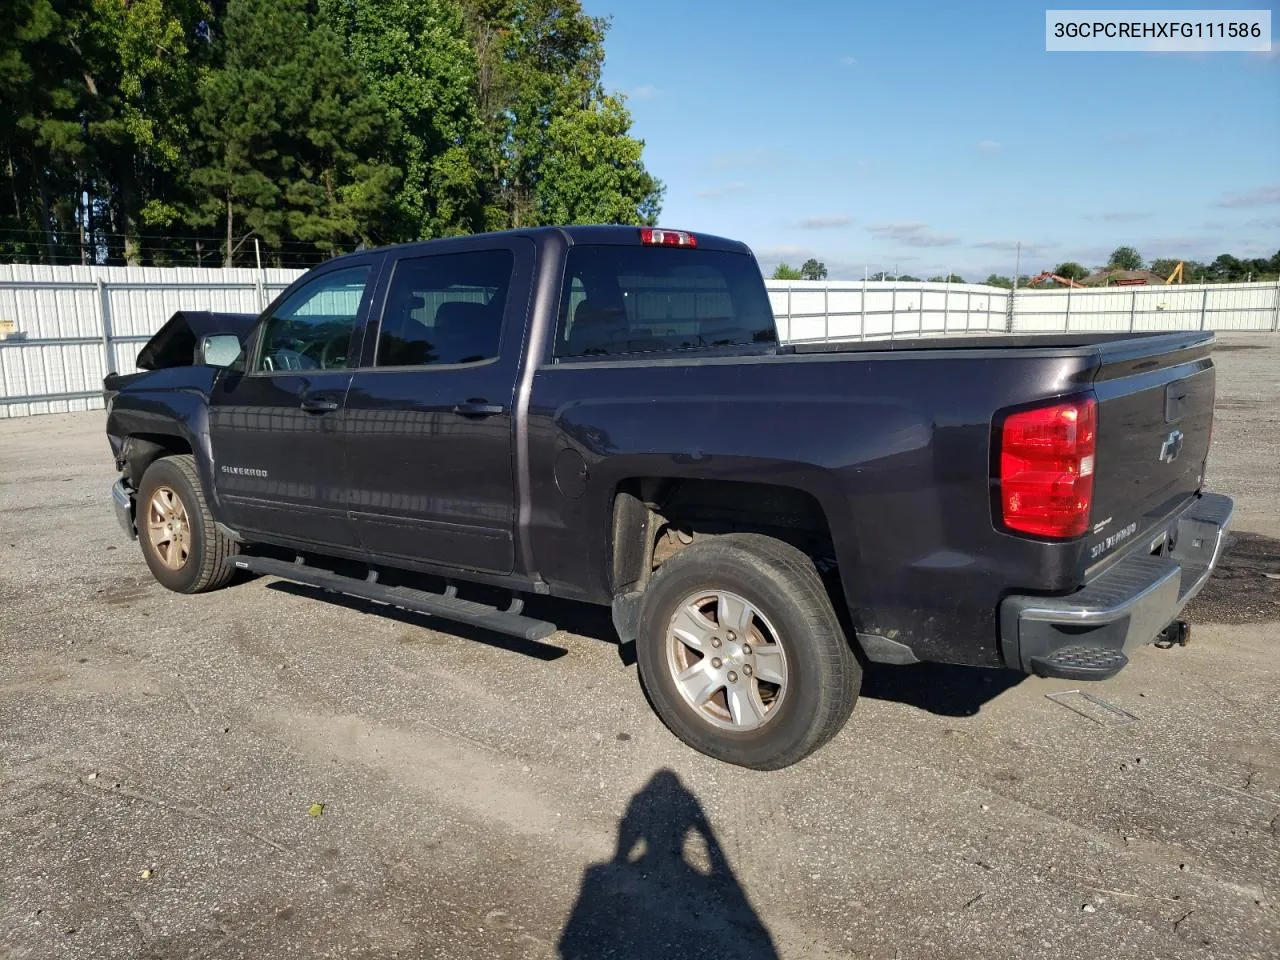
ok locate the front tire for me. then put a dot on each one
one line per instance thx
(741, 653)
(179, 539)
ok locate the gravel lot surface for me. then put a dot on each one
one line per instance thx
(161, 756)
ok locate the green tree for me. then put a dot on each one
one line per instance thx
(42, 95)
(813, 269)
(539, 63)
(593, 172)
(1071, 270)
(416, 58)
(1226, 269)
(1261, 268)
(1195, 272)
(785, 271)
(141, 63)
(1125, 258)
(949, 278)
(290, 136)
(126, 119)
(995, 280)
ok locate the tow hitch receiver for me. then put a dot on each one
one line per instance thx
(1176, 634)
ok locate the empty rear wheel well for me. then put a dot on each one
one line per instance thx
(654, 518)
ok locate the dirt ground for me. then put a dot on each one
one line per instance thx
(163, 757)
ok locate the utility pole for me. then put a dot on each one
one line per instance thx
(1013, 294)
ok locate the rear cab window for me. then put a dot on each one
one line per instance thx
(627, 300)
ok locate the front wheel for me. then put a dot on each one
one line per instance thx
(180, 541)
(741, 653)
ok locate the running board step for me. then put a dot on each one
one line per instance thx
(446, 606)
(1080, 662)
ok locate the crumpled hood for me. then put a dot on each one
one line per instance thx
(174, 344)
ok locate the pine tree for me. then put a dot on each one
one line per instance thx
(539, 95)
(289, 135)
(417, 60)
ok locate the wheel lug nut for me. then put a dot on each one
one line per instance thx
(732, 635)
(746, 648)
(715, 641)
(717, 663)
(733, 677)
(747, 669)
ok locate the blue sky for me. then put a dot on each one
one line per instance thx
(928, 136)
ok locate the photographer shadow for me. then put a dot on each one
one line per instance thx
(668, 891)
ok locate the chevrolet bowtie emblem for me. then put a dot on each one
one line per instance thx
(1171, 447)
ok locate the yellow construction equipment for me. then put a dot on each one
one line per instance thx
(1176, 276)
(1065, 281)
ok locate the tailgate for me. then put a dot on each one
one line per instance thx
(1155, 417)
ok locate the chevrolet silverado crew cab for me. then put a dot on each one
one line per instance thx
(606, 414)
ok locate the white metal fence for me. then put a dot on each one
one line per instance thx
(876, 310)
(71, 325)
(63, 328)
(1200, 306)
(856, 310)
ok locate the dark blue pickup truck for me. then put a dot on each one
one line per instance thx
(605, 414)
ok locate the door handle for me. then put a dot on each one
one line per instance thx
(478, 408)
(319, 405)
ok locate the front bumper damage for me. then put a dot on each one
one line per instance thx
(122, 499)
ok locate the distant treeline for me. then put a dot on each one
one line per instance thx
(176, 132)
(1224, 269)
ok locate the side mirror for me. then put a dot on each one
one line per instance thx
(219, 349)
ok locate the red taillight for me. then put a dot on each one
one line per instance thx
(1046, 468)
(653, 237)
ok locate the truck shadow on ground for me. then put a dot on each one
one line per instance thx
(949, 690)
(945, 689)
(669, 890)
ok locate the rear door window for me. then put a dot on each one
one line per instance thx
(445, 309)
(621, 300)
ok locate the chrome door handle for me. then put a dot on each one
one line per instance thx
(478, 408)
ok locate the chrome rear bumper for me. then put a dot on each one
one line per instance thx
(1125, 607)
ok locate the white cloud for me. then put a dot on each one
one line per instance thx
(849, 61)
(646, 91)
(721, 190)
(1152, 247)
(1252, 198)
(826, 223)
(1122, 217)
(912, 233)
(990, 146)
(784, 252)
(1011, 246)
(752, 157)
